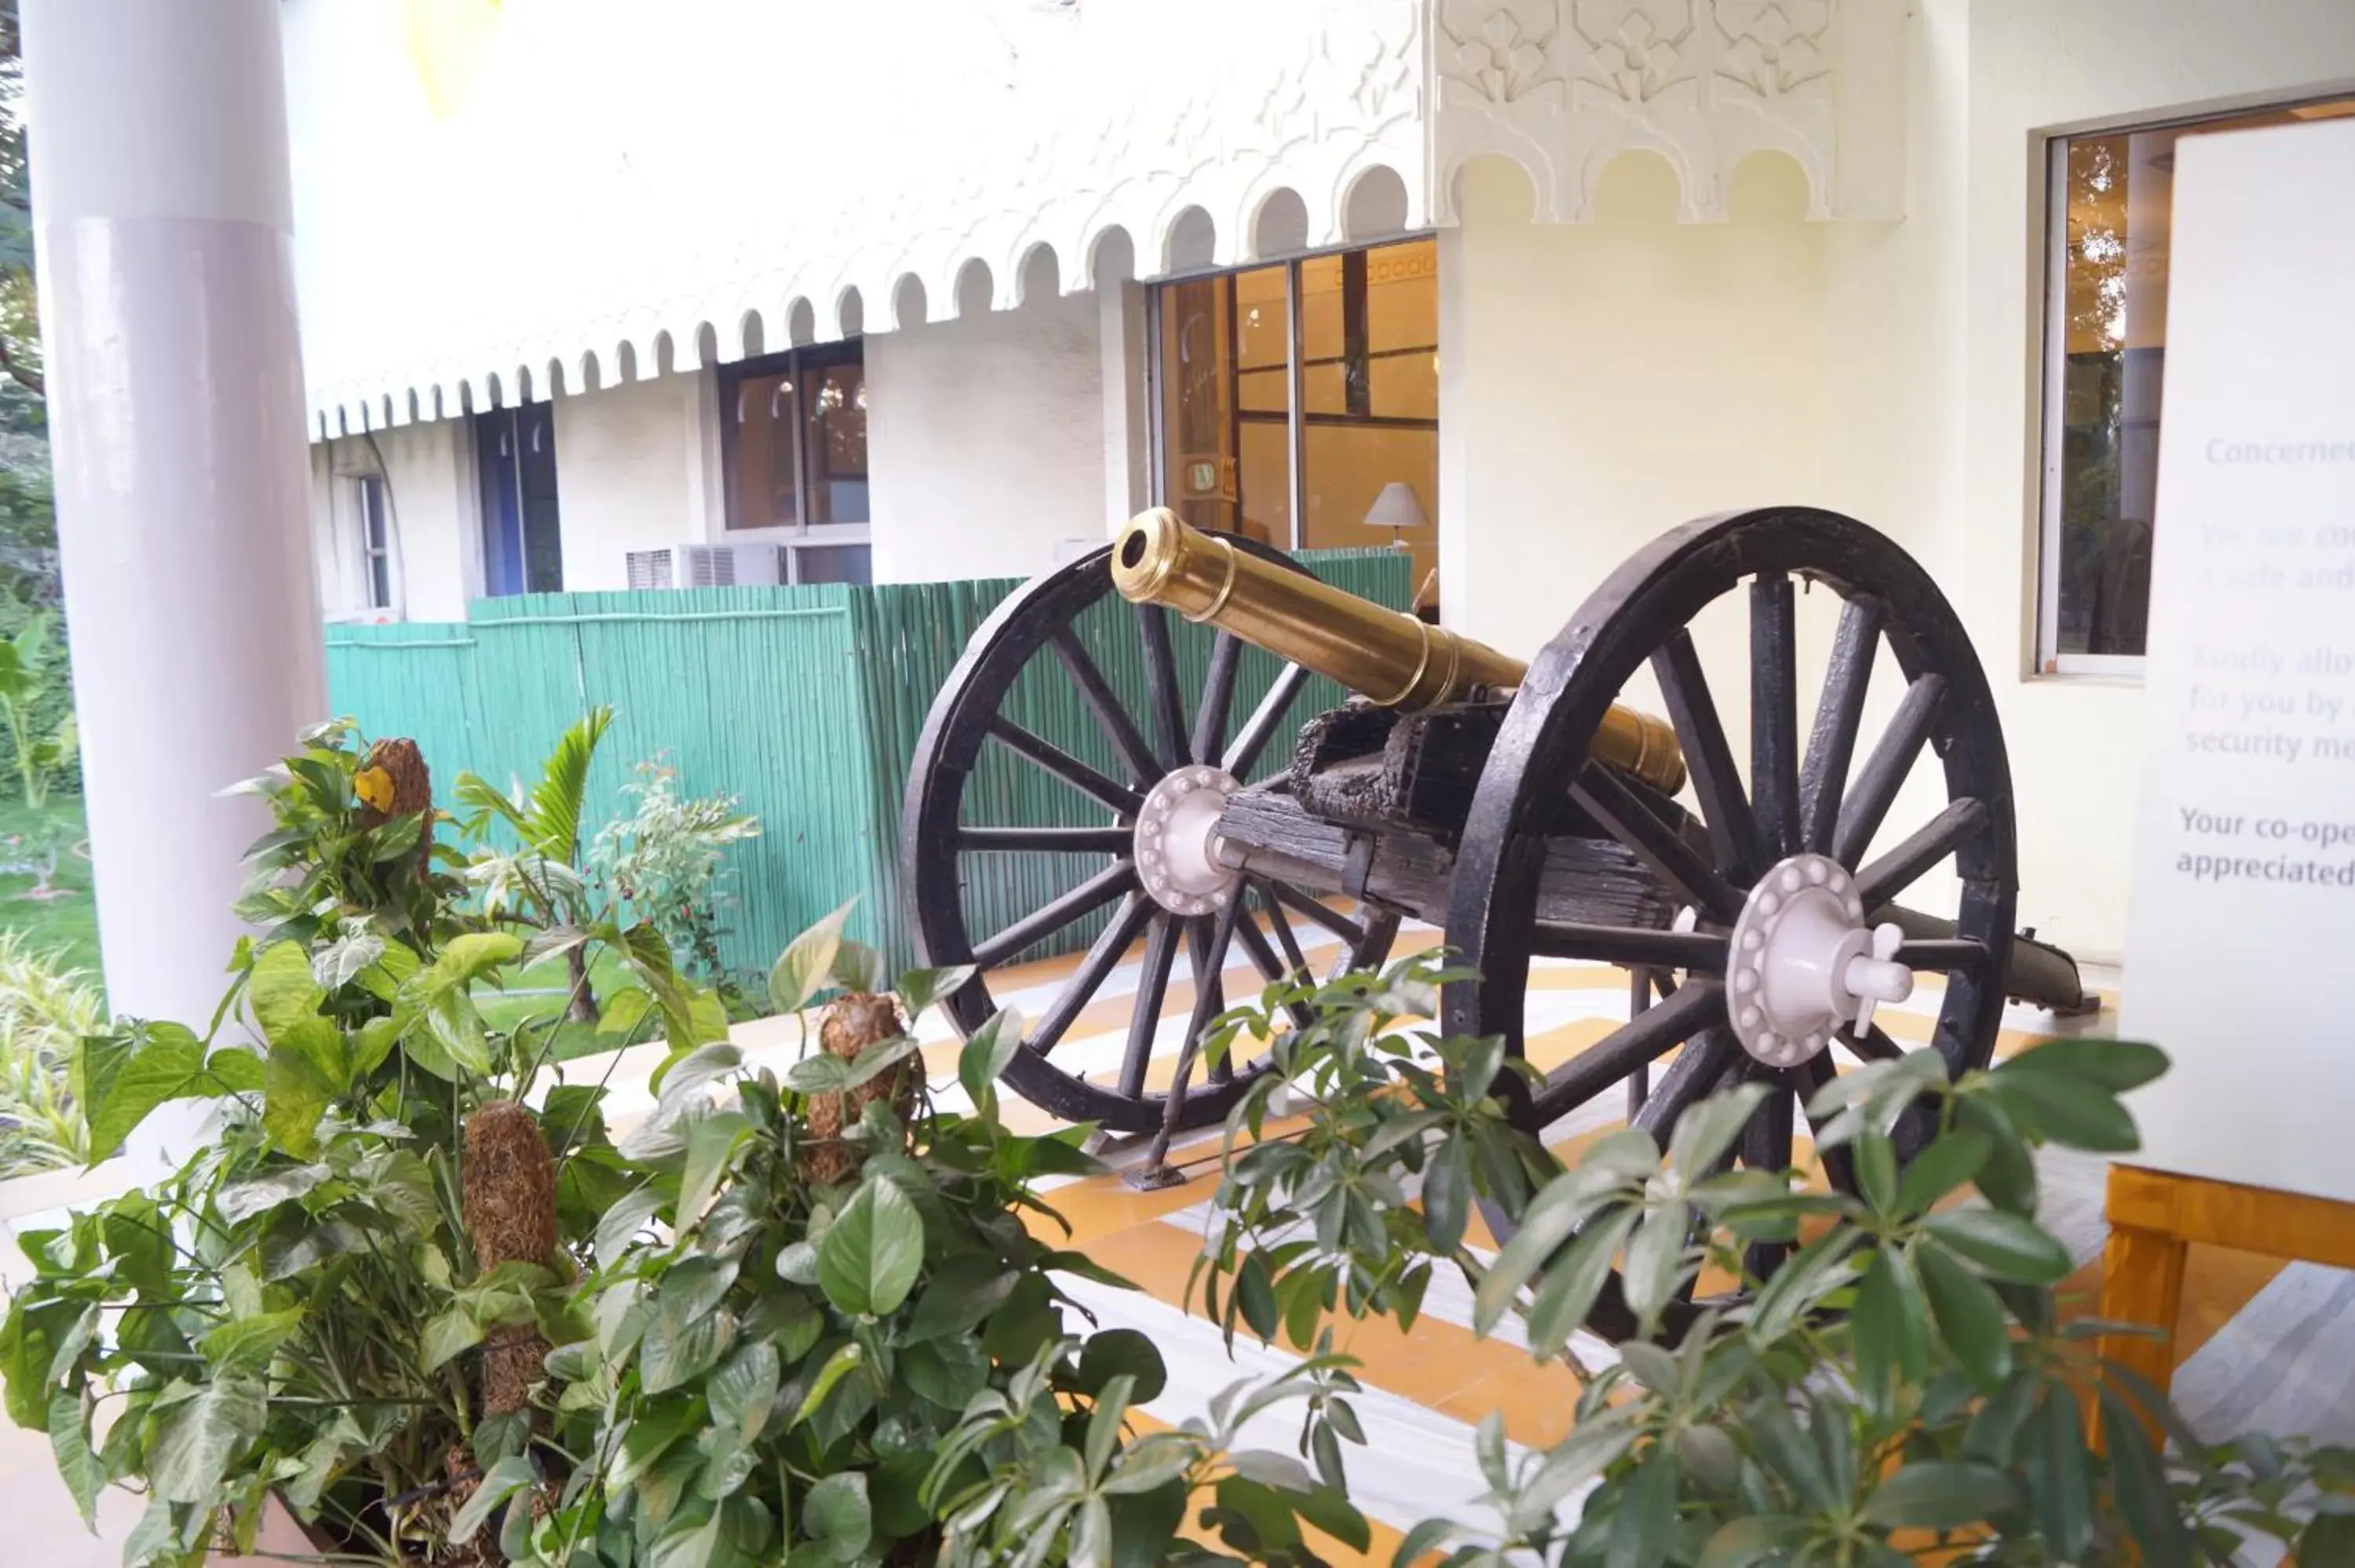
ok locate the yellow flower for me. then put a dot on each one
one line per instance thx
(375, 786)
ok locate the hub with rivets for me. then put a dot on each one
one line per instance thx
(1802, 965)
(1178, 841)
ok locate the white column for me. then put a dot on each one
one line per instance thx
(1126, 326)
(163, 224)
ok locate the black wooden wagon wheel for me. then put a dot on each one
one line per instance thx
(1127, 852)
(1786, 938)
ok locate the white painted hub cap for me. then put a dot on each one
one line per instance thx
(1178, 841)
(1802, 964)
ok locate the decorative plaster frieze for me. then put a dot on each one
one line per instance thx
(1562, 87)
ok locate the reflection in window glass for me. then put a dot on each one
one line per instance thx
(832, 563)
(1197, 400)
(1367, 372)
(1373, 400)
(794, 443)
(761, 481)
(837, 445)
(2106, 321)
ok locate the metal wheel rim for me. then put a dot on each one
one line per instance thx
(1666, 585)
(1023, 628)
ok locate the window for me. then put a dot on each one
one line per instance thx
(514, 457)
(1300, 400)
(2110, 197)
(376, 540)
(794, 447)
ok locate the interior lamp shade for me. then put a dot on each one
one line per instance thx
(1396, 507)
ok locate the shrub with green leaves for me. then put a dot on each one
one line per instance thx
(799, 1359)
(45, 1010)
(298, 1308)
(35, 702)
(1907, 1383)
(663, 863)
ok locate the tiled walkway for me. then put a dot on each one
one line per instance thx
(2262, 1343)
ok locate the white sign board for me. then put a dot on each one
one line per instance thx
(2241, 937)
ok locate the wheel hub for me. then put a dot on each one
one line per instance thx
(1178, 841)
(1801, 964)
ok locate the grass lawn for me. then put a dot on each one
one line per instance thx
(67, 921)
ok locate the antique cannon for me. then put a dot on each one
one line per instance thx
(1530, 812)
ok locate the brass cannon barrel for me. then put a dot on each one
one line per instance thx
(1389, 658)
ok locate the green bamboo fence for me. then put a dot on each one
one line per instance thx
(805, 703)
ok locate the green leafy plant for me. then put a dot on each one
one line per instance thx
(663, 862)
(45, 1010)
(538, 879)
(299, 1309)
(1906, 1384)
(340, 876)
(824, 1333)
(44, 739)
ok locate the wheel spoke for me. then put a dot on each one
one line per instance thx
(1831, 747)
(1103, 955)
(1698, 1009)
(1639, 998)
(1218, 696)
(1732, 830)
(1144, 1019)
(1272, 968)
(1333, 920)
(1766, 1146)
(1065, 766)
(1693, 1077)
(1046, 840)
(1207, 940)
(1626, 818)
(1949, 955)
(1868, 803)
(1874, 1044)
(1382, 931)
(1630, 946)
(1775, 711)
(1898, 870)
(1296, 960)
(1252, 739)
(1085, 899)
(1105, 704)
(1161, 673)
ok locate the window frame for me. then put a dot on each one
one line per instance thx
(363, 485)
(2051, 249)
(1296, 368)
(796, 363)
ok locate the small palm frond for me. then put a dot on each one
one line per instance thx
(556, 800)
(482, 799)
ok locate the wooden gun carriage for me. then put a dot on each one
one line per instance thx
(1766, 909)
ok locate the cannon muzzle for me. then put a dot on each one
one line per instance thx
(1390, 658)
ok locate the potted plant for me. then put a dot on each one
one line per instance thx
(316, 1304)
(822, 1332)
(1908, 1385)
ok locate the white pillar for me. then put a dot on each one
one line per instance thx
(1126, 326)
(164, 225)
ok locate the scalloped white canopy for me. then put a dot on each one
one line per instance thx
(503, 199)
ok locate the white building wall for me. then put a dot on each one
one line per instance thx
(437, 555)
(623, 456)
(1602, 383)
(986, 442)
(2077, 742)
